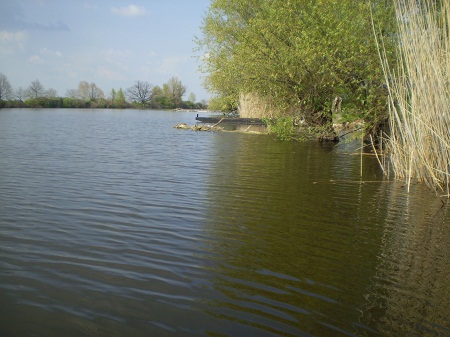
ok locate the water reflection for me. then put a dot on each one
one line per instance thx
(410, 285)
(116, 224)
(302, 242)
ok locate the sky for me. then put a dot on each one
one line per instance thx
(107, 42)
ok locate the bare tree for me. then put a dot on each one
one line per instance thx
(71, 93)
(89, 92)
(19, 94)
(35, 90)
(5, 88)
(50, 93)
(140, 92)
(95, 92)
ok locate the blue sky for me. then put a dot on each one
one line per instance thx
(110, 43)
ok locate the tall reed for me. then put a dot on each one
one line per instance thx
(253, 106)
(418, 143)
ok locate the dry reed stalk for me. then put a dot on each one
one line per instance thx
(253, 106)
(361, 156)
(419, 93)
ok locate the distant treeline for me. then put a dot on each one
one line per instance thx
(141, 94)
(102, 103)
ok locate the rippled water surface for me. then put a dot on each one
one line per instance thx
(113, 223)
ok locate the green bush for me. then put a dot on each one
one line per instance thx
(282, 127)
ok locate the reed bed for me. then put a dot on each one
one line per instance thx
(253, 106)
(418, 144)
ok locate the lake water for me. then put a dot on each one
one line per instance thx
(113, 223)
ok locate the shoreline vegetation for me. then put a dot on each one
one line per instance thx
(336, 61)
(298, 60)
(283, 129)
(141, 95)
(418, 142)
(71, 103)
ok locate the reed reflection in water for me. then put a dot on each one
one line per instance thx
(112, 223)
(319, 253)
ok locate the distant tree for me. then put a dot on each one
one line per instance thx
(50, 93)
(83, 90)
(5, 88)
(112, 95)
(157, 91)
(219, 104)
(192, 97)
(95, 92)
(175, 90)
(19, 94)
(67, 102)
(119, 100)
(35, 90)
(166, 91)
(159, 100)
(89, 92)
(140, 92)
(71, 93)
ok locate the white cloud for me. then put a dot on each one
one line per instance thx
(46, 56)
(36, 59)
(12, 36)
(12, 41)
(131, 10)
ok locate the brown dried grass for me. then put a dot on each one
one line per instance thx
(253, 106)
(419, 141)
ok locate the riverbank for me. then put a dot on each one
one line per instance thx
(340, 130)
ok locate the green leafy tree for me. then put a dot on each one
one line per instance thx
(67, 102)
(162, 97)
(120, 101)
(157, 91)
(192, 97)
(297, 54)
(112, 96)
(174, 90)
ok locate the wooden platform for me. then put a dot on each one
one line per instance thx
(230, 120)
